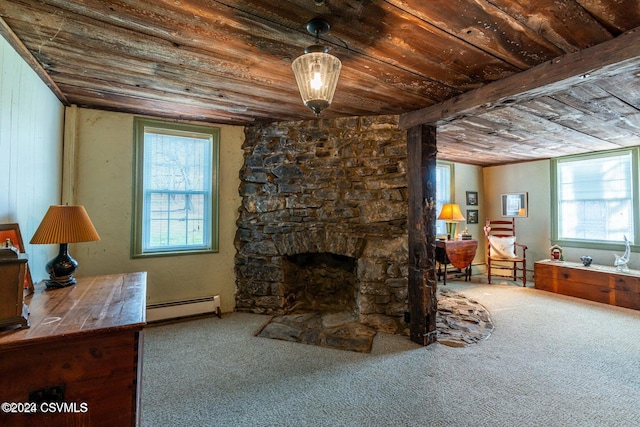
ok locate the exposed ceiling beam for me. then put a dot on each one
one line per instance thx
(606, 59)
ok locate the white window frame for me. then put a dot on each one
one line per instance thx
(594, 243)
(141, 246)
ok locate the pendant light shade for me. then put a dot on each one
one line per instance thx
(317, 71)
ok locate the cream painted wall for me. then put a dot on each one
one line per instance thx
(102, 183)
(31, 127)
(534, 179)
(535, 230)
(469, 178)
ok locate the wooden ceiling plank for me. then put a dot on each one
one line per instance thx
(73, 86)
(588, 109)
(384, 33)
(94, 38)
(530, 127)
(13, 40)
(502, 132)
(236, 30)
(593, 100)
(149, 50)
(117, 102)
(609, 58)
(618, 16)
(225, 85)
(476, 157)
(486, 27)
(600, 114)
(501, 148)
(625, 87)
(565, 23)
(201, 84)
(260, 107)
(178, 24)
(416, 45)
(135, 74)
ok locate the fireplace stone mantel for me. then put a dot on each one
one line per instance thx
(325, 186)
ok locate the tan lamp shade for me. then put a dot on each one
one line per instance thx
(65, 224)
(451, 212)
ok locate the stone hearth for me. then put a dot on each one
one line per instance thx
(460, 322)
(325, 198)
(339, 330)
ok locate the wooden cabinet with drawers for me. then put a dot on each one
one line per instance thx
(83, 351)
(596, 283)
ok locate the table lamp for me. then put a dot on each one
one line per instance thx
(63, 224)
(451, 214)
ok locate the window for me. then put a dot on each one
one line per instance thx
(595, 196)
(175, 188)
(444, 171)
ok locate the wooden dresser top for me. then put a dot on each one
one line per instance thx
(96, 304)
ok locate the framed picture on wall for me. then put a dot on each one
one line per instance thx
(472, 216)
(514, 204)
(472, 198)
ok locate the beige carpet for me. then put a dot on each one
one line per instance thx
(551, 361)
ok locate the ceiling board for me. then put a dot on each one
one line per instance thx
(229, 62)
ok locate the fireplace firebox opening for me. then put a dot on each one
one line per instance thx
(321, 282)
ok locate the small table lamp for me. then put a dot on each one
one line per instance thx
(63, 225)
(451, 214)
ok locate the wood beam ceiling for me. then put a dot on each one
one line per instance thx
(607, 59)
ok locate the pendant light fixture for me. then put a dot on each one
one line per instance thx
(317, 71)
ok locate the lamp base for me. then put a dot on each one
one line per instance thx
(61, 269)
(451, 230)
(60, 282)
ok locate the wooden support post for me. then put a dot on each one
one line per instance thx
(421, 151)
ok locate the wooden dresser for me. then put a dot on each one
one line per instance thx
(79, 364)
(596, 283)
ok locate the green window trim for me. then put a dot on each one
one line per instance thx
(635, 194)
(208, 194)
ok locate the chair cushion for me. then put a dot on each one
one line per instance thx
(502, 247)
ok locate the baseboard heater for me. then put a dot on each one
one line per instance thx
(184, 308)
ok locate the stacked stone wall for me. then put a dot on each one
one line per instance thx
(326, 186)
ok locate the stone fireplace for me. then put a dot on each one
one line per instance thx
(323, 221)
